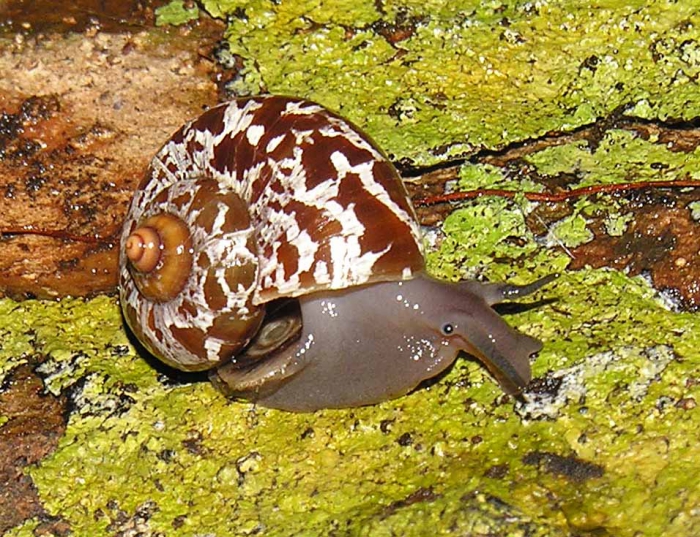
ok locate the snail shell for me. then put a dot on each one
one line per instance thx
(281, 198)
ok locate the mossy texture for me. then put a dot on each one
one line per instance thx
(610, 451)
(434, 79)
(175, 13)
(457, 457)
(606, 444)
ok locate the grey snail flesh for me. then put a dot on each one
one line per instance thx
(385, 339)
(306, 285)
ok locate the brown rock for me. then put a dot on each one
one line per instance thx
(80, 117)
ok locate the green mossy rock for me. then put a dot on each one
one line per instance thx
(607, 444)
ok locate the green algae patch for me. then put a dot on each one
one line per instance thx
(607, 428)
(571, 231)
(15, 342)
(620, 156)
(604, 442)
(24, 530)
(447, 78)
(176, 13)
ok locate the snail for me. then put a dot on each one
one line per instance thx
(273, 244)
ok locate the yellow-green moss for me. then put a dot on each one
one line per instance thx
(175, 13)
(472, 74)
(183, 461)
(142, 454)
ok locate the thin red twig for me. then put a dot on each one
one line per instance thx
(53, 233)
(554, 196)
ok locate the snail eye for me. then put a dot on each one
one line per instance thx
(447, 329)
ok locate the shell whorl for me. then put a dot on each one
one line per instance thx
(160, 256)
(194, 309)
(143, 248)
(325, 208)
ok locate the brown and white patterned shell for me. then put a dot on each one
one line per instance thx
(282, 198)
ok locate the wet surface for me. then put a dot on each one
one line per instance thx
(41, 16)
(54, 181)
(662, 241)
(75, 141)
(104, 112)
(35, 423)
(663, 237)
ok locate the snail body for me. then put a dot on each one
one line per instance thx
(272, 243)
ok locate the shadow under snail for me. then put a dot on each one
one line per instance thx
(272, 243)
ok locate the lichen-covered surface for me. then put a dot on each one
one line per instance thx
(607, 442)
(448, 77)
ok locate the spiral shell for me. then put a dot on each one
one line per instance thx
(281, 198)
